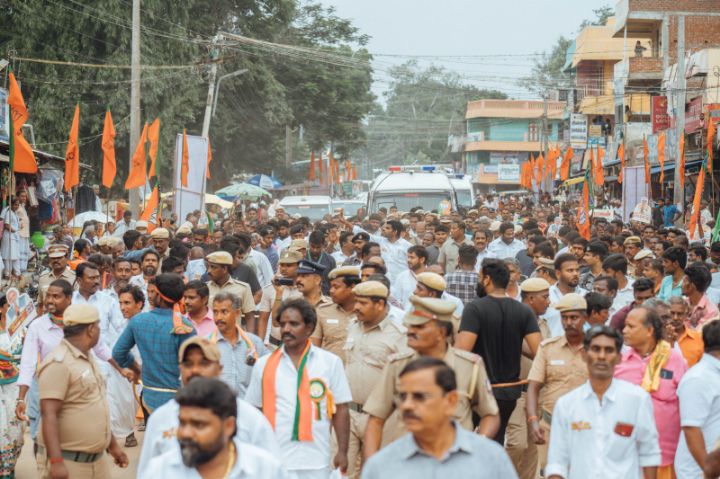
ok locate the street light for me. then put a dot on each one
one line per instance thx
(217, 86)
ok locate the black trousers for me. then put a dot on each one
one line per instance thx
(506, 407)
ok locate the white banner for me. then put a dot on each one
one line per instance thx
(578, 131)
(190, 197)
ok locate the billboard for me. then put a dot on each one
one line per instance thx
(693, 115)
(660, 117)
(578, 131)
(508, 173)
(190, 198)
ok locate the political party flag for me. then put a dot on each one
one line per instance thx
(565, 166)
(72, 154)
(621, 155)
(151, 205)
(108, 148)
(209, 160)
(138, 165)
(661, 155)
(311, 173)
(699, 186)
(681, 166)
(711, 133)
(185, 167)
(153, 136)
(22, 158)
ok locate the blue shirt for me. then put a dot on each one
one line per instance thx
(669, 212)
(158, 346)
(667, 290)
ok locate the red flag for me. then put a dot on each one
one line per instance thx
(108, 148)
(209, 160)
(72, 154)
(646, 159)
(682, 160)
(661, 155)
(22, 157)
(153, 137)
(699, 185)
(311, 173)
(185, 167)
(621, 155)
(138, 166)
(565, 167)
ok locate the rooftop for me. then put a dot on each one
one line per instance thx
(521, 109)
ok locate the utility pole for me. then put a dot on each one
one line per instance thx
(135, 99)
(211, 88)
(547, 184)
(288, 146)
(679, 192)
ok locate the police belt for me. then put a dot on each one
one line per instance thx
(522, 383)
(75, 456)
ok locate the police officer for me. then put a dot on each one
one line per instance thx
(429, 329)
(58, 270)
(75, 428)
(309, 282)
(371, 338)
(219, 266)
(334, 318)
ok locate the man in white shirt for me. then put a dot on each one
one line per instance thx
(506, 246)
(699, 394)
(616, 266)
(296, 387)
(126, 224)
(200, 358)
(605, 428)
(406, 281)
(480, 240)
(567, 272)
(208, 419)
(393, 248)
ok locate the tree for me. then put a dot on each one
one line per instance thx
(423, 108)
(548, 70)
(248, 130)
(601, 16)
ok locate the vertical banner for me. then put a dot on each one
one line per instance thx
(660, 117)
(191, 197)
(634, 188)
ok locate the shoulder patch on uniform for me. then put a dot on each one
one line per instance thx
(475, 358)
(403, 355)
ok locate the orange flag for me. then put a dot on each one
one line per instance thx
(153, 136)
(72, 154)
(311, 173)
(209, 160)
(540, 165)
(151, 205)
(23, 158)
(699, 185)
(661, 155)
(138, 166)
(646, 159)
(108, 148)
(565, 167)
(583, 214)
(681, 166)
(711, 133)
(185, 167)
(556, 156)
(621, 155)
(598, 172)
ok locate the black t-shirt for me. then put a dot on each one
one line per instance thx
(501, 324)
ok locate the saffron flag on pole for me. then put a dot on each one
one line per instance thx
(565, 167)
(185, 166)
(583, 214)
(540, 165)
(311, 173)
(699, 185)
(661, 155)
(646, 160)
(22, 158)
(138, 165)
(209, 160)
(621, 155)
(152, 205)
(711, 133)
(72, 154)
(108, 148)
(681, 167)
(153, 136)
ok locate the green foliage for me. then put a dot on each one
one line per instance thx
(248, 130)
(423, 107)
(601, 16)
(547, 72)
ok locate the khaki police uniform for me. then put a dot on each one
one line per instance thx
(73, 377)
(475, 393)
(46, 278)
(366, 351)
(239, 288)
(519, 443)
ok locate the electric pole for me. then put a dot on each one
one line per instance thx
(134, 193)
(679, 192)
(548, 182)
(211, 88)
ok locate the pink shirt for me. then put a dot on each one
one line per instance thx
(42, 337)
(703, 312)
(666, 405)
(206, 326)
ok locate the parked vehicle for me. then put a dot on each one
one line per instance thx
(406, 187)
(463, 190)
(314, 207)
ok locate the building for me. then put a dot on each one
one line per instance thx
(501, 136)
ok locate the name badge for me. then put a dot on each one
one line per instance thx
(332, 321)
(557, 362)
(666, 374)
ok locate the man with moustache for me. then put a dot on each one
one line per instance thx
(567, 270)
(219, 267)
(239, 349)
(149, 265)
(429, 327)
(59, 269)
(200, 358)
(286, 383)
(309, 283)
(207, 434)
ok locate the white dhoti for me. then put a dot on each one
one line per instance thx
(122, 404)
(323, 473)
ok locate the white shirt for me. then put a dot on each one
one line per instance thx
(584, 443)
(252, 463)
(624, 296)
(699, 393)
(501, 250)
(112, 322)
(339, 257)
(122, 227)
(552, 315)
(404, 286)
(394, 254)
(480, 257)
(302, 455)
(263, 268)
(459, 306)
(195, 269)
(252, 428)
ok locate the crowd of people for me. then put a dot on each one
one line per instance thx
(495, 342)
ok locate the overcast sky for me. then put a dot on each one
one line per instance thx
(512, 31)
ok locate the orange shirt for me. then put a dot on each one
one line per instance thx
(692, 346)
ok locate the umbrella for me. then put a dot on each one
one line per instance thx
(80, 219)
(216, 200)
(265, 181)
(244, 191)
